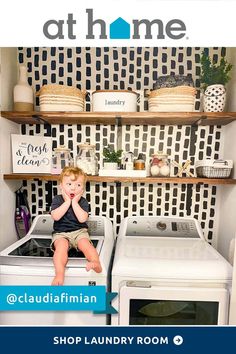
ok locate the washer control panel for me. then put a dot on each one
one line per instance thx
(43, 225)
(162, 227)
(96, 227)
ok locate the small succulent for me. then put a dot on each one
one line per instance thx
(110, 155)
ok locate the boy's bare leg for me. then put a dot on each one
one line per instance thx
(60, 258)
(91, 254)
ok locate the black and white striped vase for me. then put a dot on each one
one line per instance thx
(214, 98)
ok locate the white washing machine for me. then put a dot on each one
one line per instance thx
(29, 262)
(166, 273)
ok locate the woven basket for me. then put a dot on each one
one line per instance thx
(60, 90)
(179, 90)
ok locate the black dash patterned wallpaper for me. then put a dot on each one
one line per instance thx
(137, 69)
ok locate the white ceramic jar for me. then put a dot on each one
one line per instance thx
(214, 98)
(114, 101)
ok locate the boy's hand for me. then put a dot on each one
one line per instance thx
(65, 196)
(77, 197)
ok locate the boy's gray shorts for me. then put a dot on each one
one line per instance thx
(73, 237)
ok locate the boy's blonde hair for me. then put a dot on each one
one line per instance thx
(72, 171)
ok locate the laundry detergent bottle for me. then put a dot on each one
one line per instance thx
(22, 214)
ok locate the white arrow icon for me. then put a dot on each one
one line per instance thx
(178, 340)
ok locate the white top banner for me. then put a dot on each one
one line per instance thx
(118, 23)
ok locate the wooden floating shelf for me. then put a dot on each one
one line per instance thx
(121, 118)
(150, 180)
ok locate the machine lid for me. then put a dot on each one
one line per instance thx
(36, 251)
(155, 258)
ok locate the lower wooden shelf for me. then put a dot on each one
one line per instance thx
(150, 180)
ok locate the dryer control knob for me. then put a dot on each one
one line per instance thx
(161, 226)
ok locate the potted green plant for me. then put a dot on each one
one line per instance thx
(111, 158)
(213, 79)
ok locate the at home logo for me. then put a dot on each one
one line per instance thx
(118, 29)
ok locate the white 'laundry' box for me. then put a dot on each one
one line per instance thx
(114, 101)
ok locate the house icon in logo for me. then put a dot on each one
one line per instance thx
(120, 29)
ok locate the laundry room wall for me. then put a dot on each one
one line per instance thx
(8, 77)
(137, 69)
(226, 220)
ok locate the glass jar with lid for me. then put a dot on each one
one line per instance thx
(87, 159)
(61, 158)
(159, 166)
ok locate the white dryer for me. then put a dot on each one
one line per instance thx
(29, 262)
(166, 273)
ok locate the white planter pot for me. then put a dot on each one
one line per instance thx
(114, 101)
(110, 166)
(214, 98)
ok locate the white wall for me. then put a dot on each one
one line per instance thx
(227, 222)
(8, 78)
(227, 217)
(232, 312)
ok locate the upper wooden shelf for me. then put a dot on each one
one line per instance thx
(121, 118)
(151, 180)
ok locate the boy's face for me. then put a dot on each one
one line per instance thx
(73, 186)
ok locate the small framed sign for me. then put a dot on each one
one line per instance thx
(31, 154)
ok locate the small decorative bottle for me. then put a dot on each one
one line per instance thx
(23, 93)
(139, 164)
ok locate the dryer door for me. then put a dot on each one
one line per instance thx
(173, 306)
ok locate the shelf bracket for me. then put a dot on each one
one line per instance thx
(39, 119)
(199, 121)
(119, 133)
(118, 121)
